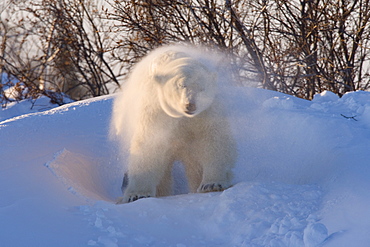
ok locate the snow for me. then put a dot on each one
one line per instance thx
(301, 179)
(26, 106)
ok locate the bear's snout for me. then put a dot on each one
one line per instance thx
(190, 108)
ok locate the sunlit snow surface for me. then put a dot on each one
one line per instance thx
(302, 179)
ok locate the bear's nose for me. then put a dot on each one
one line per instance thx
(190, 108)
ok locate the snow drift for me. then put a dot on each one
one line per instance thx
(302, 179)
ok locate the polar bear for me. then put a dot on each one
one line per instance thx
(170, 110)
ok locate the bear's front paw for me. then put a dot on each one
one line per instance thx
(136, 197)
(130, 198)
(212, 187)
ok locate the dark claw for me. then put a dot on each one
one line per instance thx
(135, 198)
(211, 187)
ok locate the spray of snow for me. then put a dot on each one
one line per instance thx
(132, 100)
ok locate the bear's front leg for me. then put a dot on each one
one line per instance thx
(217, 160)
(217, 174)
(208, 171)
(145, 173)
(138, 187)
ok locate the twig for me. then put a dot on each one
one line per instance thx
(353, 117)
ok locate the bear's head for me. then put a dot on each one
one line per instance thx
(186, 87)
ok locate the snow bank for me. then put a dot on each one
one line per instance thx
(28, 106)
(302, 179)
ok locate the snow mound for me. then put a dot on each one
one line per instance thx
(301, 179)
(27, 106)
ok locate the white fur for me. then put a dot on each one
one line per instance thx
(169, 110)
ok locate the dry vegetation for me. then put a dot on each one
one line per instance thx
(85, 48)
